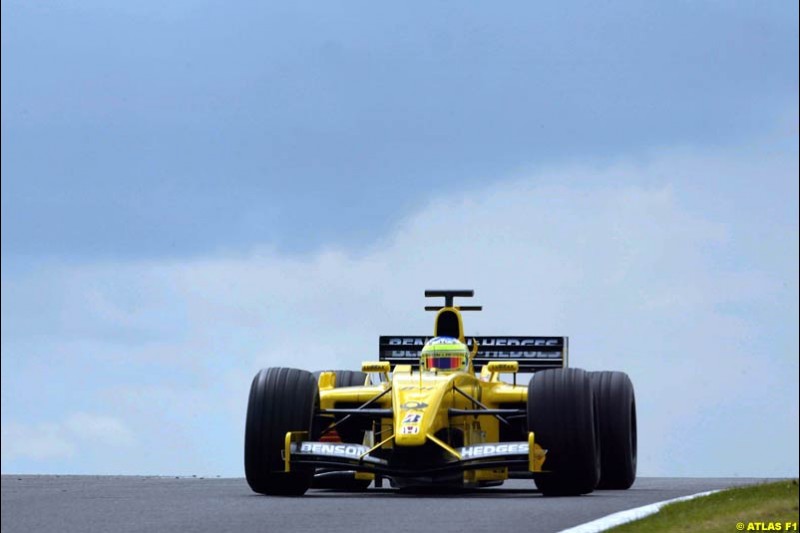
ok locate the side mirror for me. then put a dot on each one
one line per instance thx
(380, 367)
(497, 367)
(327, 380)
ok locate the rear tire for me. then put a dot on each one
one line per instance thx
(562, 416)
(346, 378)
(281, 400)
(345, 481)
(617, 406)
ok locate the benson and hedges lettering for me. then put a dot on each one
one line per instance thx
(487, 450)
(489, 347)
(408, 354)
(554, 342)
(335, 450)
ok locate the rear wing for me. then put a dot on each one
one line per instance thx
(532, 353)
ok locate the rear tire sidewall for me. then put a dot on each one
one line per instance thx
(618, 434)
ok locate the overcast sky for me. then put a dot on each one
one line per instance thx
(193, 191)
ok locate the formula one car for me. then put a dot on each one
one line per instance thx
(434, 412)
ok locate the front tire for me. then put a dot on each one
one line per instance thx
(562, 416)
(281, 400)
(617, 405)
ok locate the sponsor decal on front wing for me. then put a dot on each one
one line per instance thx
(344, 451)
(492, 450)
(356, 451)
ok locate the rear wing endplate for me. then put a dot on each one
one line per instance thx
(532, 353)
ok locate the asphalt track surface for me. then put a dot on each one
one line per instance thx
(152, 504)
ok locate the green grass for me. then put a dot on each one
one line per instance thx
(759, 507)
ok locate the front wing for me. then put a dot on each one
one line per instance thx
(516, 455)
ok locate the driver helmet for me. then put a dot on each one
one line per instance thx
(444, 354)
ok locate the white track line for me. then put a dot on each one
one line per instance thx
(623, 517)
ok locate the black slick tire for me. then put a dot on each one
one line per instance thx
(562, 416)
(281, 400)
(617, 406)
(346, 378)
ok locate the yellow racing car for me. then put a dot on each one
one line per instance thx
(443, 411)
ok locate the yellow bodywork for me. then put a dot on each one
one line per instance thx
(419, 403)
